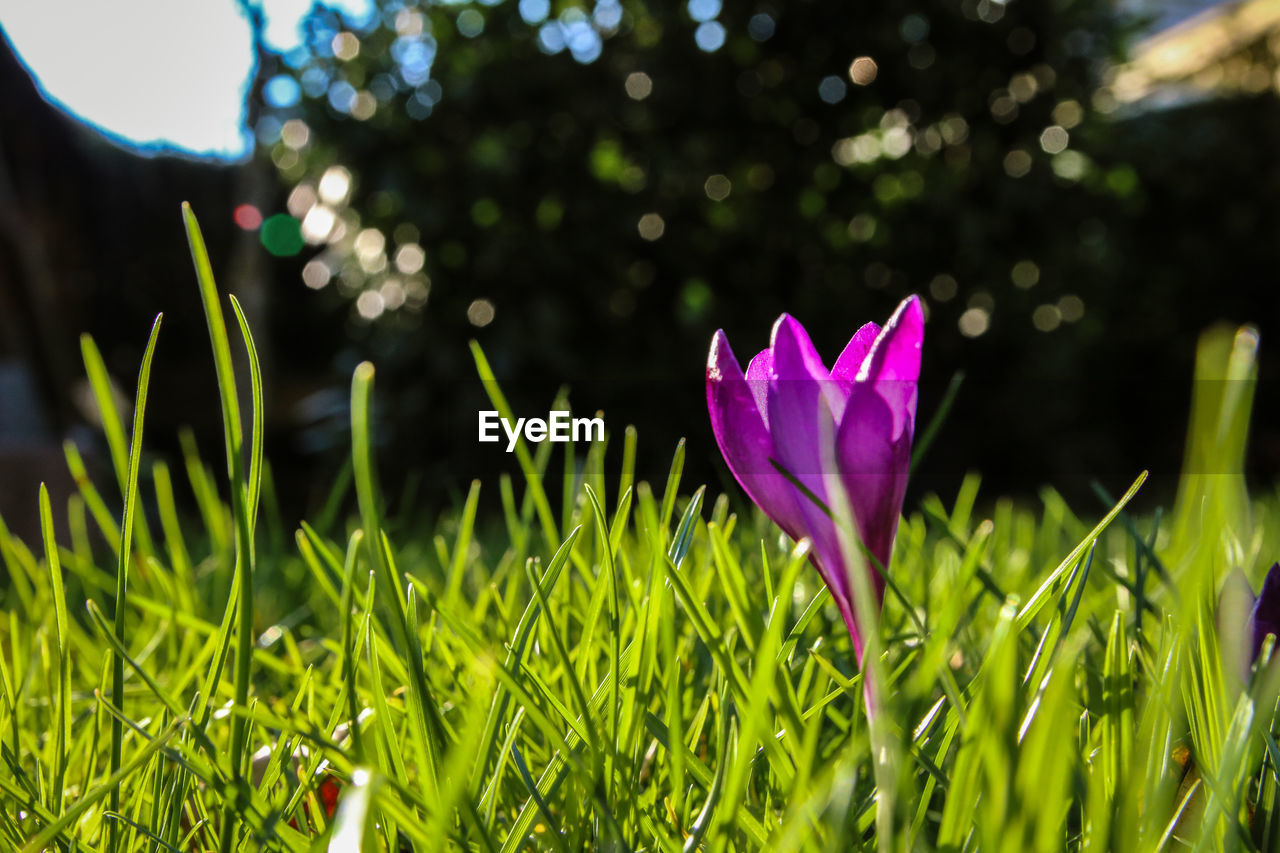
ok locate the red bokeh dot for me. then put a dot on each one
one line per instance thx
(248, 217)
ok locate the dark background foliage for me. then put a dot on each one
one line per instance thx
(1068, 285)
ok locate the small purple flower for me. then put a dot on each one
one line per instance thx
(850, 427)
(1244, 620)
(1265, 616)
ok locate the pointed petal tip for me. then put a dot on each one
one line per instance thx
(786, 326)
(909, 310)
(718, 342)
(901, 339)
(719, 357)
(915, 305)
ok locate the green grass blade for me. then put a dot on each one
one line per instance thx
(122, 564)
(533, 479)
(62, 709)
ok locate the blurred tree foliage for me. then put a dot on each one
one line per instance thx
(591, 189)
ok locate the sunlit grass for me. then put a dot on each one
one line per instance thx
(641, 667)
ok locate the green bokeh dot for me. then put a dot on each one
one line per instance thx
(281, 235)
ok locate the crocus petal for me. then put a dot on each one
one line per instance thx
(1266, 612)
(744, 440)
(893, 363)
(758, 379)
(803, 427)
(802, 361)
(873, 467)
(846, 368)
(800, 412)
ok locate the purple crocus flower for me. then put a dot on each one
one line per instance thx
(848, 427)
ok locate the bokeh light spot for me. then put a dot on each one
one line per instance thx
(974, 322)
(761, 26)
(1068, 114)
(318, 224)
(416, 291)
(896, 142)
(710, 36)
(862, 227)
(1070, 165)
(414, 56)
(365, 106)
(418, 107)
(607, 15)
(410, 258)
(1071, 307)
(1046, 318)
(405, 232)
(286, 160)
(639, 85)
(717, 187)
(1025, 274)
(651, 226)
(534, 11)
(485, 212)
(301, 199)
(316, 274)
(954, 129)
(268, 130)
(393, 294)
(550, 38)
(1003, 106)
(370, 304)
(703, 10)
(1054, 139)
(695, 300)
(480, 313)
(409, 23)
(281, 235)
(580, 37)
(915, 28)
(342, 96)
(282, 91)
(549, 214)
(335, 184)
(1023, 87)
(990, 11)
(295, 133)
(863, 70)
(943, 287)
(832, 89)
(247, 217)
(315, 81)
(1017, 163)
(370, 241)
(345, 46)
(470, 23)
